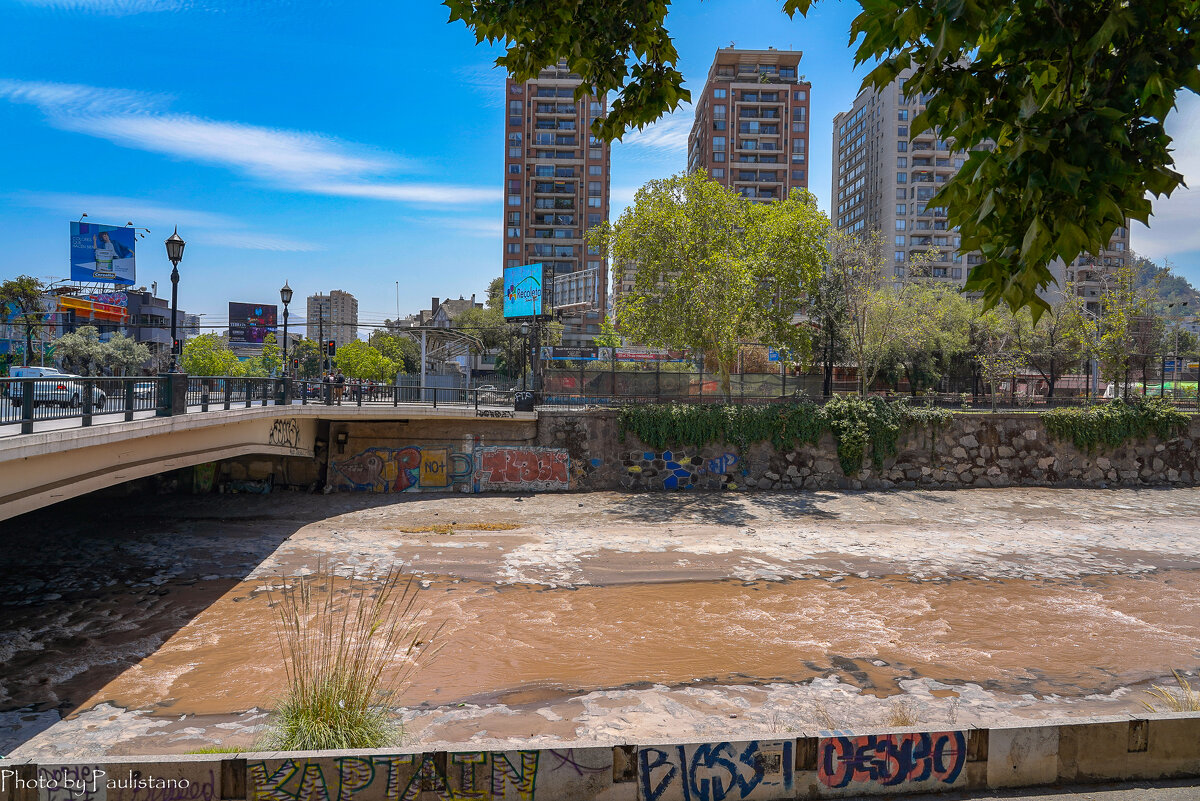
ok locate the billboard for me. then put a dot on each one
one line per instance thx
(102, 253)
(523, 291)
(251, 322)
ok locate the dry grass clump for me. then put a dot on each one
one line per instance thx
(1183, 699)
(349, 647)
(902, 713)
(450, 528)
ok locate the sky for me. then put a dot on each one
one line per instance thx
(355, 145)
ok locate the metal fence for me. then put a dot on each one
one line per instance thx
(24, 401)
(332, 394)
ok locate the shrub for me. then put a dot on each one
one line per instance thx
(1115, 423)
(349, 647)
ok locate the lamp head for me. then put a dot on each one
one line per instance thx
(175, 245)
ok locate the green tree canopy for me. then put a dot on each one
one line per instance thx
(713, 269)
(123, 354)
(1062, 104)
(23, 296)
(357, 359)
(80, 349)
(209, 354)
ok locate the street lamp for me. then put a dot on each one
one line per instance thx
(175, 246)
(524, 351)
(285, 294)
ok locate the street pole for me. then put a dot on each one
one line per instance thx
(174, 368)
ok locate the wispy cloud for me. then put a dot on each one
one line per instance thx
(115, 8)
(668, 133)
(1173, 230)
(295, 160)
(202, 226)
(487, 80)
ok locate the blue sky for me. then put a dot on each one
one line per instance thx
(295, 140)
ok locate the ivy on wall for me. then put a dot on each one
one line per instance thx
(1115, 423)
(856, 423)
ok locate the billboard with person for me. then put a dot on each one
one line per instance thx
(523, 295)
(102, 253)
(251, 322)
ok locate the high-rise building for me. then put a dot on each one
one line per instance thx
(333, 316)
(751, 127)
(883, 179)
(556, 178)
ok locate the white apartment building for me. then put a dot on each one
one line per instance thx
(333, 316)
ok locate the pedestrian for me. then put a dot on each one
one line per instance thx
(327, 386)
(339, 386)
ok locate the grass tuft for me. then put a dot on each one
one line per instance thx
(1183, 699)
(349, 647)
(903, 713)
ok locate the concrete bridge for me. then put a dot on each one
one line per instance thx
(53, 465)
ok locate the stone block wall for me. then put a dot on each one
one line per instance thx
(972, 450)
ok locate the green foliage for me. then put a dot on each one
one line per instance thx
(22, 298)
(357, 359)
(713, 269)
(309, 354)
(272, 358)
(398, 348)
(123, 354)
(209, 354)
(1113, 424)
(1062, 104)
(855, 422)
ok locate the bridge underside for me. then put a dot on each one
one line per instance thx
(38, 470)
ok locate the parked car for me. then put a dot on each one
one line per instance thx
(59, 389)
(145, 390)
(489, 393)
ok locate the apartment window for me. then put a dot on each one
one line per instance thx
(514, 169)
(797, 175)
(718, 156)
(594, 188)
(514, 218)
(595, 142)
(797, 158)
(513, 247)
(902, 161)
(514, 185)
(902, 114)
(516, 107)
(595, 169)
(901, 194)
(898, 256)
(901, 208)
(959, 162)
(595, 154)
(720, 94)
(798, 127)
(593, 220)
(718, 143)
(800, 113)
(596, 109)
(514, 200)
(594, 202)
(718, 172)
(898, 271)
(901, 130)
(899, 237)
(902, 147)
(901, 177)
(799, 94)
(515, 137)
(516, 89)
(900, 227)
(718, 125)
(956, 272)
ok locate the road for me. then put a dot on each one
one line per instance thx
(1182, 790)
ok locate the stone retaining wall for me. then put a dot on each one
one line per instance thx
(800, 766)
(972, 450)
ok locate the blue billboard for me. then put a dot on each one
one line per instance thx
(523, 291)
(102, 253)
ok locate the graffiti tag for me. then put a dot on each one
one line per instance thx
(716, 771)
(893, 759)
(723, 464)
(285, 433)
(530, 468)
(504, 413)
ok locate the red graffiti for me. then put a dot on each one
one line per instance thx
(524, 466)
(892, 759)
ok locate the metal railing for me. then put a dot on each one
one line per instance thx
(24, 401)
(369, 394)
(222, 392)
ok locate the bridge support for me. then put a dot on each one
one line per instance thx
(173, 399)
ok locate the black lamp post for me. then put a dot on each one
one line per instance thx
(285, 294)
(524, 352)
(175, 246)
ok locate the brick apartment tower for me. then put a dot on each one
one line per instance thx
(556, 179)
(751, 126)
(883, 179)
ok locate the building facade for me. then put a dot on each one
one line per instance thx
(333, 316)
(751, 127)
(884, 177)
(556, 179)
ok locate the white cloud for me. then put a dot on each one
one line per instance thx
(115, 8)
(668, 133)
(1173, 229)
(294, 160)
(202, 226)
(487, 80)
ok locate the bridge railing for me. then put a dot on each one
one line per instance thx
(24, 401)
(370, 394)
(211, 393)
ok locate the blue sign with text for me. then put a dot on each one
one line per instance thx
(523, 291)
(102, 253)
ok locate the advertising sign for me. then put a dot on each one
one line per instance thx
(251, 322)
(523, 291)
(102, 253)
(636, 354)
(561, 353)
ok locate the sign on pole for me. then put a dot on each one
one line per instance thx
(102, 253)
(523, 293)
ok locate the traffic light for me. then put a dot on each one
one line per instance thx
(177, 347)
(295, 364)
(331, 347)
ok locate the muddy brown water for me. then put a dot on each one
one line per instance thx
(518, 644)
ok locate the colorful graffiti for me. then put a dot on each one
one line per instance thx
(723, 463)
(477, 776)
(524, 468)
(717, 771)
(890, 760)
(443, 467)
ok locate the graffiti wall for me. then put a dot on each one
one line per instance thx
(468, 467)
(479, 776)
(919, 761)
(717, 771)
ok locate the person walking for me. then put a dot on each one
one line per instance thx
(327, 387)
(339, 386)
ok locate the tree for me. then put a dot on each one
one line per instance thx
(400, 349)
(80, 349)
(873, 308)
(934, 321)
(1054, 344)
(309, 354)
(122, 354)
(1062, 104)
(1121, 327)
(357, 359)
(23, 295)
(713, 269)
(209, 354)
(272, 359)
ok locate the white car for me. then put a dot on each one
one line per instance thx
(58, 389)
(145, 390)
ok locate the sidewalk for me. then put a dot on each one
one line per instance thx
(1178, 790)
